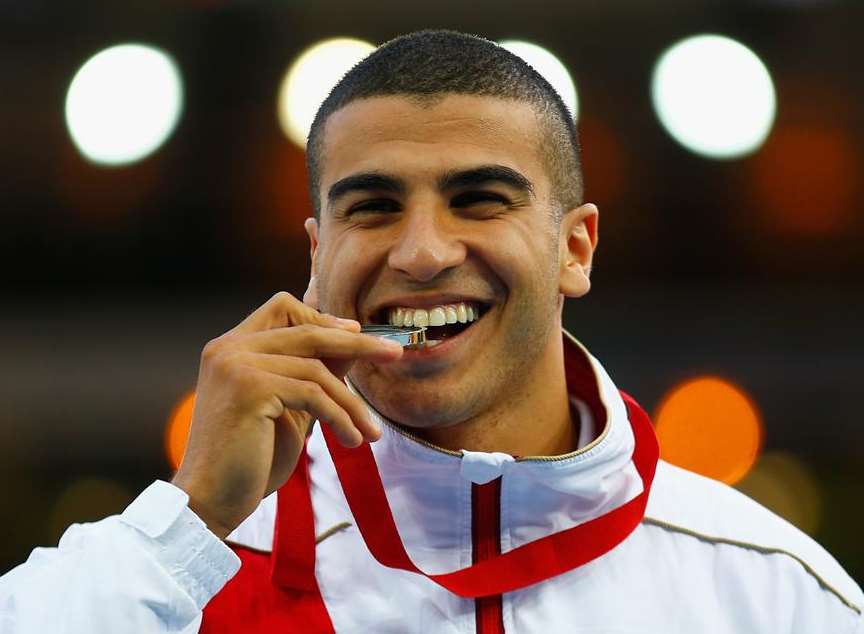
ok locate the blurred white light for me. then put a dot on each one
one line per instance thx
(551, 68)
(310, 79)
(714, 96)
(123, 103)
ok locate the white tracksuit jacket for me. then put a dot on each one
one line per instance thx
(705, 559)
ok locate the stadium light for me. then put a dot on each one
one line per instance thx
(310, 78)
(124, 103)
(714, 96)
(710, 426)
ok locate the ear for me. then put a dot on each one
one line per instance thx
(310, 297)
(578, 240)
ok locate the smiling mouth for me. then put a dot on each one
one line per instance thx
(443, 321)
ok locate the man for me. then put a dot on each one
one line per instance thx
(507, 487)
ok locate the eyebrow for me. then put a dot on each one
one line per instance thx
(365, 182)
(484, 174)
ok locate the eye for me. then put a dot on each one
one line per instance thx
(375, 205)
(467, 199)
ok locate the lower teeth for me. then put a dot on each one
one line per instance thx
(431, 343)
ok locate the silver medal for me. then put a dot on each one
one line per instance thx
(405, 335)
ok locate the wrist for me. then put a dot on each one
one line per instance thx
(198, 503)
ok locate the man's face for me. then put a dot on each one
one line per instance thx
(432, 207)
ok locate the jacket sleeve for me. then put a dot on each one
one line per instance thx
(151, 569)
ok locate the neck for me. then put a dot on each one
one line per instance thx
(533, 419)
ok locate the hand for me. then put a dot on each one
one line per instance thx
(260, 387)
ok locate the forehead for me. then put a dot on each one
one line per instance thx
(413, 138)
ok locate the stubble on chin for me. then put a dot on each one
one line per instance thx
(415, 402)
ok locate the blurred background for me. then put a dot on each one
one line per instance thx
(152, 193)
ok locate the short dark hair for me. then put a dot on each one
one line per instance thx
(434, 63)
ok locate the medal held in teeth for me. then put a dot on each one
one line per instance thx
(407, 336)
(425, 327)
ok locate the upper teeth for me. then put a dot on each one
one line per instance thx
(462, 312)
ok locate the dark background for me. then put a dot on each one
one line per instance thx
(113, 279)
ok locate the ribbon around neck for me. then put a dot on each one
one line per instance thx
(523, 566)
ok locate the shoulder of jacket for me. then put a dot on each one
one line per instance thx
(700, 508)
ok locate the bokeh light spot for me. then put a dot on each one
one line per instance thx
(177, 430)
(781, 482)
(88, 500)
(604, 161)
(551, 68)
(806, 179)
(710, 426)
(123, 103)
(714, 96)
(310, 78)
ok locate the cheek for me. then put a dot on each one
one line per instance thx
(526, 261)
(523, 256)
(345, 266)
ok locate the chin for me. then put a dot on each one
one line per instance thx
(417, 403)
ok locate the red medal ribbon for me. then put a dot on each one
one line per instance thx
(523, 566)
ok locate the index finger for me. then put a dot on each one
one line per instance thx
(316, 342)
(283, 309)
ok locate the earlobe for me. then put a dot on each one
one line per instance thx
(578, 240)
(310, 297)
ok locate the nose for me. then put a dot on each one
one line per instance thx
(425, 246)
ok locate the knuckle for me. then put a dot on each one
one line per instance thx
(212, 349)
(316, 369)
(280, 306)
(296, 311)
(310, 392)
(309, 332)
(271, 407)
(288, 304)
(283, 298)
(275, 407)
(222, 342)
(313, 390)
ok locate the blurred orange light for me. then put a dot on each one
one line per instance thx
(178, 429)
(273, 193)
(603, 161)
(284, 191)
(710, 426)
(806, 179)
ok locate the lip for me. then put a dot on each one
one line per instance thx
(425, 301)
(446, 347)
